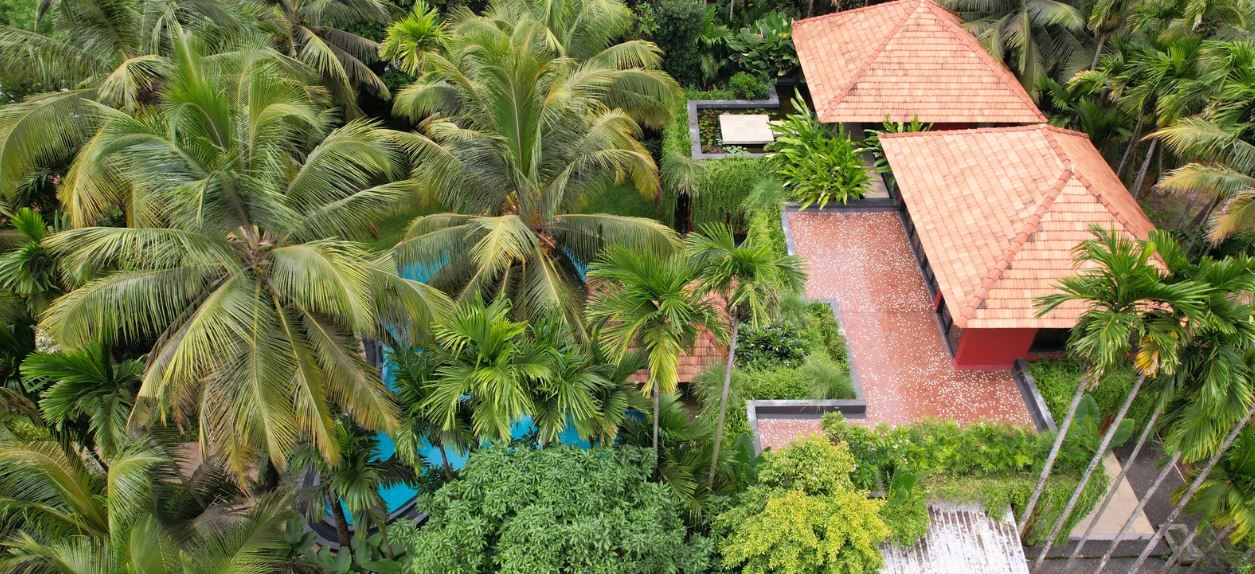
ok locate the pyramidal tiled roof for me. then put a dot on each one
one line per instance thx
(905, 59)
(999, 210)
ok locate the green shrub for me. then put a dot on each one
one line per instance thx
(906, 510)
(816, 164)
(804, 516)
(558, 509)
(992, 463)
(778, 344)
(765, 48)
(748, 86)
(676, 26)
(826, 379)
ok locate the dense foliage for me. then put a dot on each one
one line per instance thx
(559, 509)
(804, 515)
(816, 163)
(995, 464)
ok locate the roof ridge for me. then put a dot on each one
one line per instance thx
(875, 54)
(1031, 226)
(867, 8)
(966, 131)
(1098, 194)
(998, 68)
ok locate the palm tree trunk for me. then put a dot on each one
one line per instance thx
(1217, 539)
(1054, 454)
(656, 401)
(1098, 51)
(810, 8)
(383, 537)
(342, 523)
(723, 405)
(1089, 470)
(1141, 504)
(1141, 173)
(1133, 141)
(1194, 486)
(1115, 485)
(1205, 214)
(444, 461)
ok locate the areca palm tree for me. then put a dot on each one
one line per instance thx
(515, 136)
(27, 270)
(1212, 387)
(751, 279)
(413, 372)
(85, 394)
(353, 483)
(1125, 294)
(58, 515)
(489, 370)
(243, 201)
(650, 303)
(1131, 309)
(1034, 37)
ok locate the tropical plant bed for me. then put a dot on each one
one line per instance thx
(802, 357)
(1057, 379)
(712, 135)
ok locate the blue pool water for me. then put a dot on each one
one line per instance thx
(398, 496)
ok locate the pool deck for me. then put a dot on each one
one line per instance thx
(862, 261)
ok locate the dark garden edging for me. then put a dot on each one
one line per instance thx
(1032, 397)
(695, 132)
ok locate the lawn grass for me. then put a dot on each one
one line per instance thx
(620, 199)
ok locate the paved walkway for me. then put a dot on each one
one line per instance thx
(862, 261)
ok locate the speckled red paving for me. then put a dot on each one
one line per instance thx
(862, 260)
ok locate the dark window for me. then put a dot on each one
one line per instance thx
(1050, 341)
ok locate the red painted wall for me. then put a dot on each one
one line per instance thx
(992, 349)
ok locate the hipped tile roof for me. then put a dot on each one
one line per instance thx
(905, 59)
(999, 210)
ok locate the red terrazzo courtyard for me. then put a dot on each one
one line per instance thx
(861, 260)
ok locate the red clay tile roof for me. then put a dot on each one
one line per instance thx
(999, 210)
(905, 59)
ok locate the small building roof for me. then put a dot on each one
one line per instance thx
(905, 59)
(999, 210)
(961, 538)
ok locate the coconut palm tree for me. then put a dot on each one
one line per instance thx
(1128, 304)
(1219, 142)
(90, 55)
(517, 135)
(135, 517)
(1034, 37)
(751, 279)
(650, 303)
(243, 201)
(318, 34)
(352, 484)
(85, 394)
